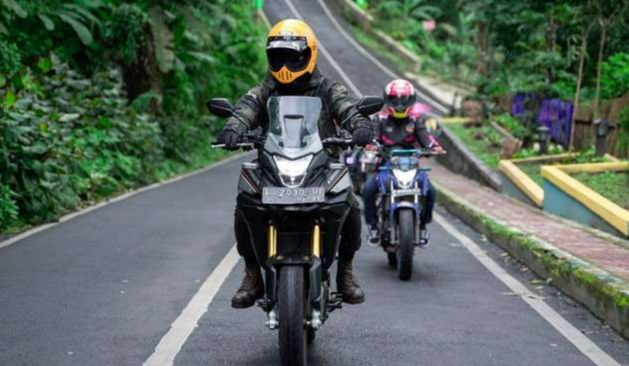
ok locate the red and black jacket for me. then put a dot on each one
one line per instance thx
(408, 133)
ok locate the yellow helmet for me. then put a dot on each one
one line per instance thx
(291, 50)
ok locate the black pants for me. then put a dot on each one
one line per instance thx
(350, 241)
(370, 190)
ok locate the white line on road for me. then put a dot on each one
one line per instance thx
(572, 334)
(89, 209)
(372, 58)
(172, 342)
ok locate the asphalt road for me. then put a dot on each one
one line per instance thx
(106, 287)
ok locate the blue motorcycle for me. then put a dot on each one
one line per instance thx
(402, 184)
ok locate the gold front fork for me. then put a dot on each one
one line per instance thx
(272, 241)
(316, 241)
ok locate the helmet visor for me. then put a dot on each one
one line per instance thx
(401, 103)
(293, 60)
(292, 52)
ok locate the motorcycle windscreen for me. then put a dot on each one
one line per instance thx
(293, 126)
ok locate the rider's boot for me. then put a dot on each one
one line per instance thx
(424, 237)
(251, 289)
(347, 285)
(374, 233)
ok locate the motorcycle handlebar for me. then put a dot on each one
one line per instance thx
(337, 141)
(243, 145)
(421, 152)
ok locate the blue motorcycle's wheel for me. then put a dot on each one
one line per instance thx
(392, 257)
(405, 249)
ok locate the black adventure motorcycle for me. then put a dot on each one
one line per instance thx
(295, 199)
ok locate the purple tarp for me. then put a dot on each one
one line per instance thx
(555, 114)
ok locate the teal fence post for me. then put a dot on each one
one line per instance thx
(258, 4)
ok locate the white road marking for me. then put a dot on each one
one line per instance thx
(435, 103)
(89, 209)
(327, 55)
(172, 342)
(572, 334)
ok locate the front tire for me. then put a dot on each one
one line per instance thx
(406, 247)
(293, 333)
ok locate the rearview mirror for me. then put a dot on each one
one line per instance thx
(369, 105)
(220, 107)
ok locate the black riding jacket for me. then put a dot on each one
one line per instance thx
(337, 105)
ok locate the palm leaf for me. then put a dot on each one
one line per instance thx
(163, 40)
(79, 28)
(15, 7)
(3, 29)
(83, 12)
(48, 23)
(203, 57)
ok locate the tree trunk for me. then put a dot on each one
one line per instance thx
(599, 65)
(481, 49)
(551, 47)
(142, 76)
(584, 41)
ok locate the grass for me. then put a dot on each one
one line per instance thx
(533, 169)
(485, 149)
(612, 185)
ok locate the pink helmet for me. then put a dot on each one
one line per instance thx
(399, 98)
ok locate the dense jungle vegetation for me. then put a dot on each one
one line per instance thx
(99, 96)
(576, 50)
(513, 46)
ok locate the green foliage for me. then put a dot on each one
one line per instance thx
(615, 76)
(10, 59)
(69, 132)
(514, 126)
(8, 207)
(622, 148)
(124, 32)
(612, 185)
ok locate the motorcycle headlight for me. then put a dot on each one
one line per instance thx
(405, 178)
(292, 172)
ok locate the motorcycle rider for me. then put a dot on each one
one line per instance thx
(292, 50)
(398, 127)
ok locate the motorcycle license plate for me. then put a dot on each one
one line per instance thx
(292, 196)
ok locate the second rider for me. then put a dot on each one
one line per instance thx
(398, 127)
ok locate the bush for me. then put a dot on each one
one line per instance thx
(622, 149)
(615, 76)
(71, 134)
(514, 126)
(10, 59)
(8, 208)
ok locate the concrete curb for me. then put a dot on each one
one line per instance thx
(604, 294)
(461, 160)
(615, 219)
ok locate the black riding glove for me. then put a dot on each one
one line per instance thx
(229, 138)
(362, 136)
